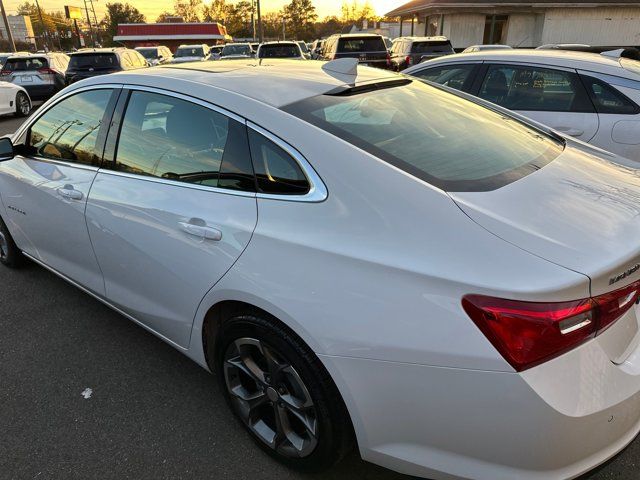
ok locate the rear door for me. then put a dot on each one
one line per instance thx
(552, 96)
(44, 189)
(172, 208)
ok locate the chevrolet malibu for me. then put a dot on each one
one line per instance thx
(364, 260)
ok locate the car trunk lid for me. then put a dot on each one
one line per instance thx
(580, 211)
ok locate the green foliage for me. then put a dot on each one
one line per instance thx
(301, 16)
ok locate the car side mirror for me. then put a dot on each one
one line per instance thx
(7, 152)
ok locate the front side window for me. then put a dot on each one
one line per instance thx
(450, 142)
(454, 76)
(68, 131)
(170, 138)
(534, 89)
(607, 99)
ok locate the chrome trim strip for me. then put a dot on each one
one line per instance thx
(61, 96)
(317, 192)
(188, 98)
(175, 183)
(102, 300)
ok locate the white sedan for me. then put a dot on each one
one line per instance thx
(361, 258)
(592, 97)
(14, 100)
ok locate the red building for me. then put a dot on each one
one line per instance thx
(171, 35)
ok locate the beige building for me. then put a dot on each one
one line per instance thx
(21, 28)
(523, 23)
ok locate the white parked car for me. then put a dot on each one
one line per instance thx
(191, 53)
(450, 286)
(592, 97)
(484, 48)
(14, 100)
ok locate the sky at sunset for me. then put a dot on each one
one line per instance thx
(152, 8)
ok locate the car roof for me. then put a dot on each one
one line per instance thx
(275, 82)
(438, 38)
(356, 35)
(560, 58)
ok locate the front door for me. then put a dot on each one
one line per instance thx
(44, 190)
(174, 210)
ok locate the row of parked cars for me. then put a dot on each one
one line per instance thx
(401, 264)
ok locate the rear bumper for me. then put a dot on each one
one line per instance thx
(556, 421)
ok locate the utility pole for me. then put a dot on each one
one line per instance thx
(284, 27)
(95, 21)
(45, 31)
(253, 18)
(12, 44)
(86, 9)
(260, 31)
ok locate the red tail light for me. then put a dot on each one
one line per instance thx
(5, 72)
(46, 70)
(388, 59)
(409, 60)
(529, 333)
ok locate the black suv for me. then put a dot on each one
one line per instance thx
(369, 49)
(100, 61)
(408, 51)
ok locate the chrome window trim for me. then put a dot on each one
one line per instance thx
(53, 101)
(530, 64)
(176, 183)
(317, 191)
(187, 98)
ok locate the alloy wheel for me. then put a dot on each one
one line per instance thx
(23, 105)
(271, 398)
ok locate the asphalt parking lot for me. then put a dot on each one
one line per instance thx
(152, 413)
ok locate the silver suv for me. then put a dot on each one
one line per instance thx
(41, 75)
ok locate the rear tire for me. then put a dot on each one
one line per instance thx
(10, 254)
(282, 394)
(23, 105)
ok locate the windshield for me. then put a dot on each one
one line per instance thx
(236, 50)
(148, 53)
(447, 141)
(93, 60)
(25, 64)
(189, 52)
(432, 47)
(362, 44)
(279, 51)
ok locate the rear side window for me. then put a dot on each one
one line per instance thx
(276, 172)
(363, 44)
(608, 99)
(98, 60)
(436, 136)
(68, 131)
(534, 89)
(454, 76)
(170, 138)
(25, 64)
(432, 47)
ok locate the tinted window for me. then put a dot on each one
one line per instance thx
(278, 51)
(170, 138)
(69, 130)
(607, 99)
(93, 60)
(148, 53)
(536, 89)
(453, 76)
(432, 47)
(236, 50)
(25, 64)
(449, 142)
(189, 52)
(276, 172)
(361, 44)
